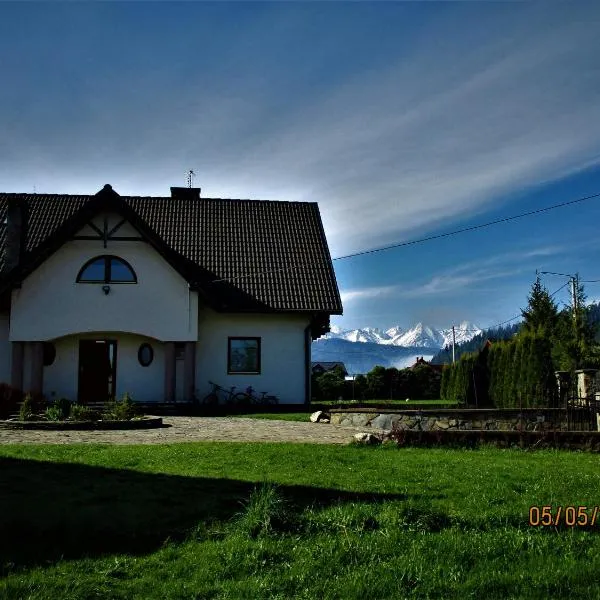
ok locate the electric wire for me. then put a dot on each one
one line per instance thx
(421, 240)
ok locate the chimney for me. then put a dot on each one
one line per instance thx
(185, 193)
(16, 217)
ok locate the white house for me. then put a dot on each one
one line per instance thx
(106, 294)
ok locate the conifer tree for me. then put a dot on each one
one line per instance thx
(444, 383)
(517, 369)
(541, 311)
(507, 379)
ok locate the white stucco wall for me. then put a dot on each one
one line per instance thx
(282, 353)
(145, 384)
(5, 349)
(50, 304)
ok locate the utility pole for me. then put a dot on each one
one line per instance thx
(453, 344)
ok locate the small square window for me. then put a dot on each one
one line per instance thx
(243, 355)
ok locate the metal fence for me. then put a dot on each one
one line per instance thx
(582, 414)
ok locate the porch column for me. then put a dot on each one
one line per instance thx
(16, 367)
(189, 372)
(169, 371)
(37, 368)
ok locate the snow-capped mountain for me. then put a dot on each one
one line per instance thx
(362, 349)
(419, 336)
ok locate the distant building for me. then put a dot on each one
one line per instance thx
(422, 362)
(321, 367)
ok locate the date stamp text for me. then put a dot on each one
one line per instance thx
(568, 516)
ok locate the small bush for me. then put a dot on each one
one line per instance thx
(27, 408)
(83, 413)
(54, 413)
(121, 410)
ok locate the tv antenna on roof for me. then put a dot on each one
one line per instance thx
(190, 178)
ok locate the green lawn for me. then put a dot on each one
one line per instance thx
(175, 521)
(388, 402)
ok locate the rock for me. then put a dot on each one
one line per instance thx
(382, 421)
(442, 424)
(452, 423)
(319, 416)
(361, 419)
(367, 438)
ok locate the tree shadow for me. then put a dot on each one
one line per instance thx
(51, 511)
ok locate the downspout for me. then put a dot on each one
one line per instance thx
(307, 378)
(189, 307)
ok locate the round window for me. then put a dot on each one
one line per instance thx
(49, 351)
(145, 355)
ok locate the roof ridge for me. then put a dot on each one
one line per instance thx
(202, 199)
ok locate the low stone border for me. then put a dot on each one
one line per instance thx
(542, 419)
(143, 423)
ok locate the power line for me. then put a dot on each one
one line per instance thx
(420, 240)
(471, 228)
(513, 318)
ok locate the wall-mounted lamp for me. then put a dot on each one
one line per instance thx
(106, 289)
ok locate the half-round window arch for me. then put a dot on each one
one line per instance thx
(106, 269)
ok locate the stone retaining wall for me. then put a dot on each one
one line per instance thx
(526, 420)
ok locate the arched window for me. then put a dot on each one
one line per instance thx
(106, 269)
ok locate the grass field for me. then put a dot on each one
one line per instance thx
(297, 416)
(388, 402)
(183, 521)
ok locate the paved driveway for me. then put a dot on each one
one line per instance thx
(196, 429)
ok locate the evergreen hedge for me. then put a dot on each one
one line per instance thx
(509, 374)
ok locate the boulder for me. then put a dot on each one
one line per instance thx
(382, 421)
(361, 419)
(367, 438)
(319, 416)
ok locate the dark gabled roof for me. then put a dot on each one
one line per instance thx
(328, 365)
(273, 255)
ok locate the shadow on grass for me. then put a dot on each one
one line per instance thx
(50, 511)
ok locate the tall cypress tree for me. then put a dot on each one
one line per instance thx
(444, 383)
(529, 372)
(507, 376)
(517, 372)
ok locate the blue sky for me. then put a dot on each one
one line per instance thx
(402, 120)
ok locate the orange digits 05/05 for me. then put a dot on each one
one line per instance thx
(569, 516)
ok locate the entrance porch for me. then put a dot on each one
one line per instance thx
(95, 367)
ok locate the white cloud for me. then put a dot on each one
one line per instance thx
(481, 103)
(459, 278)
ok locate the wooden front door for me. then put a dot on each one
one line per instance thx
(97, 370)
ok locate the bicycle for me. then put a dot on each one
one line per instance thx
(248, 397)
(212, 398)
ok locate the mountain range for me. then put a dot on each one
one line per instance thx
(362, 349)
(419, 336)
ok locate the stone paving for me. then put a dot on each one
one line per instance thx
(196, 429)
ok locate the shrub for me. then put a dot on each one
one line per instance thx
(83, 413)
(121, 410)
(54, 413)
(27, 408)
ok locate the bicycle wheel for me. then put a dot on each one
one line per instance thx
(241, 398)
(211, 399)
